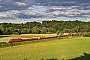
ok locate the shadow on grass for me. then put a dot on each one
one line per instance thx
(85, 57)
(43, 59)
(3, 36)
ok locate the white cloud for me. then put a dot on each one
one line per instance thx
(0, 6)
(12, 12)
(88, 19)
(9, 14)
(44, 9)
(21, 4)
(3, 15)
(34, 6)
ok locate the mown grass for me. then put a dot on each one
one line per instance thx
(58, 48)
(31, 35)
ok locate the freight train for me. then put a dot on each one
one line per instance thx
(13, 40)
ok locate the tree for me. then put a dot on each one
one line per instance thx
(67, 31)
(24, 31)
(87, 34)
(44, 30)
(46, 26)
(35, 30)
(1, 32)
(52, 30)
(74, 30)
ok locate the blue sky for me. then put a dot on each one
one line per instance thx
(21, 11)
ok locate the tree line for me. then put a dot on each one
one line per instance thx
(45, 27)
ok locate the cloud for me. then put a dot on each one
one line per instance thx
(20, 4)
(88, 19)
(28, 9)
(9, 14)
(11, 5)
(19, 0)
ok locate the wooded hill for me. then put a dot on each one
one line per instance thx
(45, 27)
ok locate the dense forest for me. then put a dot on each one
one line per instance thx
(45, 27)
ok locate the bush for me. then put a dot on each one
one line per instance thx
(0, 36)
(49, 33)
(16, 33)
(87, 34)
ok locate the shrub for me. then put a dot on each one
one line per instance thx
(87, 34)
(49, 33)
(0, 36)
(16, 33)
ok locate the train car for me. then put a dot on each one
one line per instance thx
(47, 37)
(35, 38)
(15, 40)
(64, 35)
(82, 34)
(75, 34)
(26, 39)
(43, 37)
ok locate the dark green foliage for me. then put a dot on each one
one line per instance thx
(16, 33)
(87, 34)
(1, 32)
(45, 27)
(26, 59)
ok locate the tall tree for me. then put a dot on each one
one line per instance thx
(35, 30)
(44, 30)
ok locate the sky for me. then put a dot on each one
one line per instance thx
(21, 11)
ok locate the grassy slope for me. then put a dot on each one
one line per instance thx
(60, 48)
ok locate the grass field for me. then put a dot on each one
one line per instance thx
(61, 49)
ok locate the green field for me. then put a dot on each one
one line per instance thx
(61, 49)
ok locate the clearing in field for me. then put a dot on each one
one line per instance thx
(60, 49)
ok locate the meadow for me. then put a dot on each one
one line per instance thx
(60, 49)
